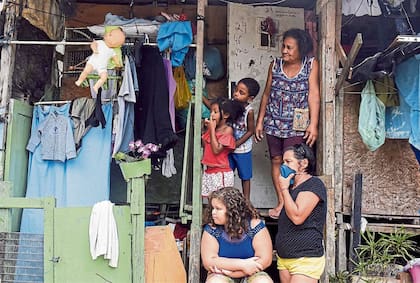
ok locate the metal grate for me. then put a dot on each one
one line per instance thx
(21, 257)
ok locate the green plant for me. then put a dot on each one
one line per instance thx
(340, 277)
(383, 254)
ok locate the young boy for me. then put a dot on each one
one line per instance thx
(243, 130)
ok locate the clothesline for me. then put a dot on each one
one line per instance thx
(29, 42)
(67, 101)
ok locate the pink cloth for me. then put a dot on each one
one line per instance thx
(171, 87)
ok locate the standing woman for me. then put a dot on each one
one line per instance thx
(292, 83)
(299, 239)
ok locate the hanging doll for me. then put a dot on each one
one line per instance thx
(103, 51)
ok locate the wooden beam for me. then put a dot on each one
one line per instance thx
(357, 43)
(342, 56)
(356, 218)
(329, 237)
(328, 66)
(8, 54)
(194, 260)
(341, 263)
(320, 4)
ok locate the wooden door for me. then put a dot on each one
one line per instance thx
(250, 52)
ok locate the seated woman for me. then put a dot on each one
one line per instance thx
(235, 244)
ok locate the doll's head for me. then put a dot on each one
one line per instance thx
(114, 36)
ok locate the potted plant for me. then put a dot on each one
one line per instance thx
(136, 162)
(381, 256)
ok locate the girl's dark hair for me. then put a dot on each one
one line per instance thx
(303, 151)
(239, 211)
(234, 108)
(303, 39)
(252, 85)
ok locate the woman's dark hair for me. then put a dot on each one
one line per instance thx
(252, 85)
(303, 151)
(234, 108)
(239, 211)
(303, 39)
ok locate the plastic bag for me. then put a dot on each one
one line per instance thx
(371, 118)
(182, 94)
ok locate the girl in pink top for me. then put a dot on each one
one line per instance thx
(218, 142)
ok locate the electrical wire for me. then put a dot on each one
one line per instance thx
(408, 20)
(255, 4)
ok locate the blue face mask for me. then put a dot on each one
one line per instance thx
(285, 171)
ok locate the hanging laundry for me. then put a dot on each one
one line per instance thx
(407, 79)
(103, 233)
(82, 108)
(97, 116)
(124, 124)
(177, 36)
(168, 164)
(361, 8)
(171, 88)
(397, 121)
(55, 135)
(78, 182)
(152, 120)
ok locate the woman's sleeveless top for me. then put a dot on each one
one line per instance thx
(286, 94)
(235, 248)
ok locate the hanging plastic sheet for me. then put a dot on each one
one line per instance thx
(371, 118)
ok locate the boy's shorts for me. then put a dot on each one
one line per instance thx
(242, 162)
(312, 267)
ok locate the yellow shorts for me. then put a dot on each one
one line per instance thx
(309, 266)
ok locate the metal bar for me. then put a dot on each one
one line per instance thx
(185, 168)
(36, 42)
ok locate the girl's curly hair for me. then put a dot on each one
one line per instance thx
(239, 211)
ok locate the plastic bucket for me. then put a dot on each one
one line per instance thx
(415, 273)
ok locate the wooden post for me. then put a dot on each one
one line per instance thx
(194, 261)
(328, 68)
(134, 173)
(49, 259)
(341, 245)
(138, 204)
(356, 217)
(8, 53)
